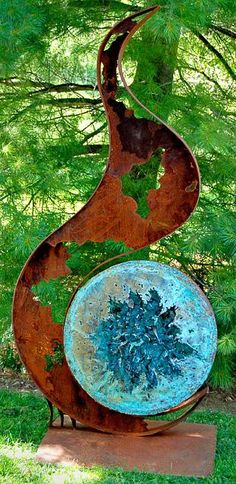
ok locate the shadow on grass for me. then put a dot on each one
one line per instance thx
(23, 423)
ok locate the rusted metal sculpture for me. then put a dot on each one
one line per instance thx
(109, 214)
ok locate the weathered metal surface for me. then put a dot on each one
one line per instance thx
(109, 214)
(193, 456)
(140, 337)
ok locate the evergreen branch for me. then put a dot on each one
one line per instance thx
(110, 4)
(93, 149)
(216, 52)
(72, 100)
(191, 68)
(30, 201)
(214, 82)
(6, 195)
(64, 116)
(66, 87)
(184, 80)
(223, 30)
(184, 261)
(22, 82)
(78, 102)
(46, 87)
(94, 133)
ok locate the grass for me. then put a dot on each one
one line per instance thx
(23, 422)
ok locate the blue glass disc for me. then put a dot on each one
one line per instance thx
(140, 337)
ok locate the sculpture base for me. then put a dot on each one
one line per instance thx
(186, 450)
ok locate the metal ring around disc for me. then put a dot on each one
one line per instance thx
(140, 337)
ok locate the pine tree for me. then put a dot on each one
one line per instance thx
(54, 139)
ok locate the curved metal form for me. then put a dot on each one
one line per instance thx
(109, 214)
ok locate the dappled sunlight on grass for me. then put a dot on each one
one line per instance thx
(78, 475)
(18, 464)
(17, 451)
(23, 423)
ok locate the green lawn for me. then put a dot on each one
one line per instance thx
(23, 422)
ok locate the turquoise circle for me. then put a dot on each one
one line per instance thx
(140, 337)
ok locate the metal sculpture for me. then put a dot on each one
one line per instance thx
(140, 337)
(109, 214)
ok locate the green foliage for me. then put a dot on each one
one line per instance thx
(22, 29)
(9, 358)
(23, 423)
(56, 294)
(54, 139)
(56, 358)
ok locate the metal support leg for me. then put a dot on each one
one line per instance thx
(50, 405)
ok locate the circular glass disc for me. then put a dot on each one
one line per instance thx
(140, 337)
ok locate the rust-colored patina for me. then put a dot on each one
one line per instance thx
(193, 456)
(109, 214)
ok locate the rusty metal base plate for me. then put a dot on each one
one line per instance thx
(186, 450)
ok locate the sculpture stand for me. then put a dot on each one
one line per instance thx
(186, 450)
